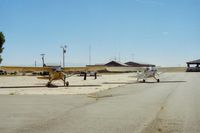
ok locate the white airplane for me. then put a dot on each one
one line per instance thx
(150, 72)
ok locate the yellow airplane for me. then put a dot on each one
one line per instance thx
(55, 73)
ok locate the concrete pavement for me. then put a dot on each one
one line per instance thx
(171, 106)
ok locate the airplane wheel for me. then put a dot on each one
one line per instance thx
(48, 84)
(67, 83)
(144, 81)
(158, 80)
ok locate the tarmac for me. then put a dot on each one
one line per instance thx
(31, 85)
(171, 106)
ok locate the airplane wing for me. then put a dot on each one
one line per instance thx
(83, 69)
(25, 69)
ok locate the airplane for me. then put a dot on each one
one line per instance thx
(149, 72)
(55, 73)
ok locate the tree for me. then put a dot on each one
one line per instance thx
(2, 40)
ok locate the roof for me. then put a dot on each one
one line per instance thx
(194, 62)
(135, 64)
(127, 64)
(115, 63)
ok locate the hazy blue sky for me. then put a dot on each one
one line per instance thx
(162, 32)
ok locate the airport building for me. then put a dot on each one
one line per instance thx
(135, 64)
(115, 64)
(127, 64)
(193, 66)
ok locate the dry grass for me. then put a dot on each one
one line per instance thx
(172, 69)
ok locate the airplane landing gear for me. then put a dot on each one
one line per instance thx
(144, 81)
(67, 83)
(158, 80)
(48, 84)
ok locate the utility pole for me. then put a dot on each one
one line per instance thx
(35, 63)
(64, 49)
(90, 58)
(43, 64)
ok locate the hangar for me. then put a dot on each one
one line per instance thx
(127, 64)
(193, 66)
(135, 64)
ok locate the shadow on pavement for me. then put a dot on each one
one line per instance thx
(120, 82)
(143, 82)
(166, 82)
(10, 87)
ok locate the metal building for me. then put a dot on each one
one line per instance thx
(193, 66)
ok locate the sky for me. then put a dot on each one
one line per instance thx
(161, 32)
